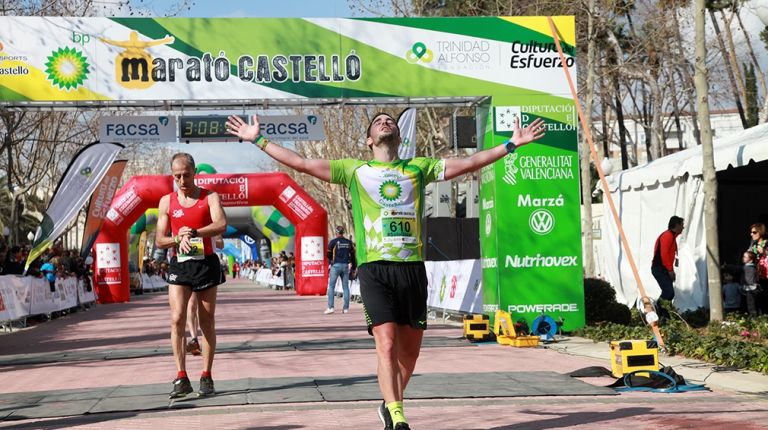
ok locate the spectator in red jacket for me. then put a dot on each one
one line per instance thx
(664, 261)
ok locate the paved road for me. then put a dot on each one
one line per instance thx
(284, 365)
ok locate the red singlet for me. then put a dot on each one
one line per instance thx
(197, 216)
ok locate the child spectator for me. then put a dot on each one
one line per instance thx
(749, 281)
(731, 293)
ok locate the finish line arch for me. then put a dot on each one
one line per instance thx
(140, 193)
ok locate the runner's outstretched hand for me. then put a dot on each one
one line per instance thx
(531, 132)
(241, 129)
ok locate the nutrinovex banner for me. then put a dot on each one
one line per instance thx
(530, 235)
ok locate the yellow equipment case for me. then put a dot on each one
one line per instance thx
(477, 328)
(631, 355)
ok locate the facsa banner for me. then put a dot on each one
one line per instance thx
(292, 127)
(142, 129)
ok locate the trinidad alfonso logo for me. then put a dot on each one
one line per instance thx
(419, 52)
(67, 68)
(390, 191)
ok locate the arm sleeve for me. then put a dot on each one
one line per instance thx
(329, 252)
(343, 170)
(434, 170)
(667, 248)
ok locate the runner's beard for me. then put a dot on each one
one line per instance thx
(389, 139)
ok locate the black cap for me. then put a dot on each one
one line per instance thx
(339, 229)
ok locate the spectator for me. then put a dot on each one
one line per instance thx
(340, 252)
(749, 282)
(49, 271)
(731, 293)
(664, 262)
(759, 245)
(3, 254)
(14, 261)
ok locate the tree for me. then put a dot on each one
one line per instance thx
(708, 167)
(586, 177)
(750, 80)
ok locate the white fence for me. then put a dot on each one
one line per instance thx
(24, 296)
(453, 285)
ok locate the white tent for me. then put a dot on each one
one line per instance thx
(647, 196)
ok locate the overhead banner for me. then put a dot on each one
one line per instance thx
(530, 232)
(292, 127)
(99, 205)
(83, 174)
(143, 129)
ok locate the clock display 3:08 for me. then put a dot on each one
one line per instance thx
(203, 128)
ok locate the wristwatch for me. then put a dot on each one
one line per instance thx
(193, 233)
(510, 146)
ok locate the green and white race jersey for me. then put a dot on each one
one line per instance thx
(388, 205)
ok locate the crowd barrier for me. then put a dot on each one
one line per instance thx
(455, 286)
(153, 283)
(21, 297)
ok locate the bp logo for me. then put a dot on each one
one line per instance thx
(86, 171)
(67, 68)
(419, 52)
(390, 191)
(541, 221)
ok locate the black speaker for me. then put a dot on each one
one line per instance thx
(442, 239)
(469, 237)
(466, 132)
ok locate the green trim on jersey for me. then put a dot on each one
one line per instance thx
(388, 205)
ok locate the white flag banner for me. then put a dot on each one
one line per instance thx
(81, 178)
(407, 125)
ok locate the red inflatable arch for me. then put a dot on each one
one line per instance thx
(110, 270)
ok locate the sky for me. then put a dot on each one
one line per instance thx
(256, 8)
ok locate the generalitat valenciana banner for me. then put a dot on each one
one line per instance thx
(100, 201)
(83, 174)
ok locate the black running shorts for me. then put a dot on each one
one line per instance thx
(197, 274)
(394, 292)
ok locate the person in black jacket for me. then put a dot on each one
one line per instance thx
(340, 255)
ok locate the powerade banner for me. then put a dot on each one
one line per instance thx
(530, 230)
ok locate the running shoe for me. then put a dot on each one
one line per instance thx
(193, 347)
(206, 386)
(181, 387)
(329, 311)
(384, 416)
(345, 311)
(402, 426)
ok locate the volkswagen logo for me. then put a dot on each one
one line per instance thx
(541, 221)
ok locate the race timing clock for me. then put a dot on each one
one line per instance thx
(209, 128)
